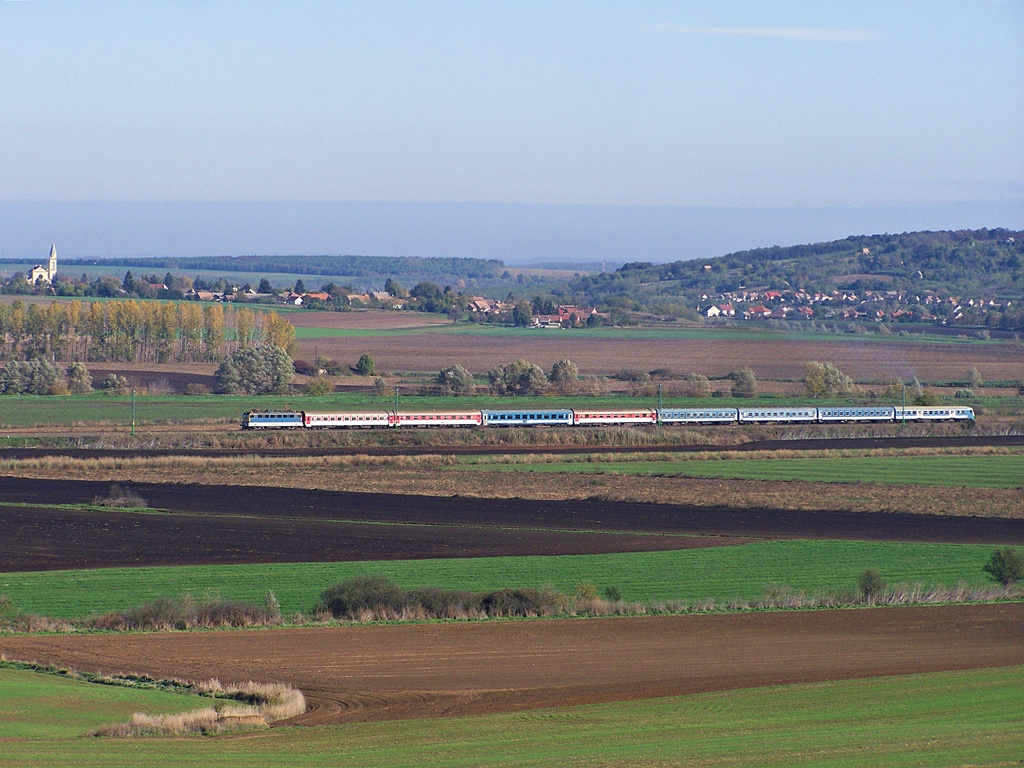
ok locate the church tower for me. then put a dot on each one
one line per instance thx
(51, 267)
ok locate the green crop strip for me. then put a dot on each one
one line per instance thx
(953, 718)
(40, 707)
(723, 574)
(989, 471)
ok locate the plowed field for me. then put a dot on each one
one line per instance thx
(429, 670)
(236, 524)
(778, 358)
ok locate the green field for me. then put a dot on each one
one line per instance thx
(46, 708)
(988, 471)
(720, 573)
(957, 718)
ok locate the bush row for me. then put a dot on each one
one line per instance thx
(378, 597)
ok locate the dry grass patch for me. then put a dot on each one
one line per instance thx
(268, 702)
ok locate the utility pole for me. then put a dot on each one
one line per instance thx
(133, 411)
(660, 405)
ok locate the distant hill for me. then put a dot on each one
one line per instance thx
(980, 264)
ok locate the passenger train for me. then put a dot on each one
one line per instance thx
(584, 417)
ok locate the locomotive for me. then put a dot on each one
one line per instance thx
(583, 417)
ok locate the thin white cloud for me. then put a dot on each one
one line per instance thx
(788, 33)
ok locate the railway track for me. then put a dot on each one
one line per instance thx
(804, 444)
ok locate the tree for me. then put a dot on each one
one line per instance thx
(518, 378)
(744, 383)
(79, 380)
(394, 289)
(261, 369)
(265, 286)
(365, 366)
(825, 380)
(1005, 566)
(974, 380)
(280, 332)
(33, 377)
(455, 381)
(564, 376)
(521, 314)
(300, 287)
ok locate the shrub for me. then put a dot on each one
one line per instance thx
(119, 497)
(196, 389)
(362, 593)
(612, 593)
(455, 381)
(870, 584)
(519, 378)
(697, 385)
(744, 383)
(522, 602)
(185, 613)
(1006, 566)
(586, 591)
(79, 380)
(318, 387)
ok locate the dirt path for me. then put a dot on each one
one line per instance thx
(429, 670)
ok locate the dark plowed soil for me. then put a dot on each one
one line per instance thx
(236, 524)
(41, 539)
(431, 670)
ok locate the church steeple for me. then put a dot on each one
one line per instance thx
(51, 267)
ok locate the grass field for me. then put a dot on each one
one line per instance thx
(958, 718)
(720, 573)
(987, 471)
(41, 707)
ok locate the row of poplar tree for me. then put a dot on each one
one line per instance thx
(136, 331)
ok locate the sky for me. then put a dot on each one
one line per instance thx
(523, 130)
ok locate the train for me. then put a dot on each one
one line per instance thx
(584, 417)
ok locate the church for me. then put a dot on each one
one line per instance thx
(47, 273)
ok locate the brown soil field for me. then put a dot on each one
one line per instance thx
(366, 320)
(229, 524)
(780, 358)
(582, 491)
(361, 673)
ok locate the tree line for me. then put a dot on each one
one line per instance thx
(135, 331)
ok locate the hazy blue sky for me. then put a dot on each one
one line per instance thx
(847, 106)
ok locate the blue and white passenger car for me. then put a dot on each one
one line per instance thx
(790, 415)
(529, 417)
(863, 413)
(698, 415)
